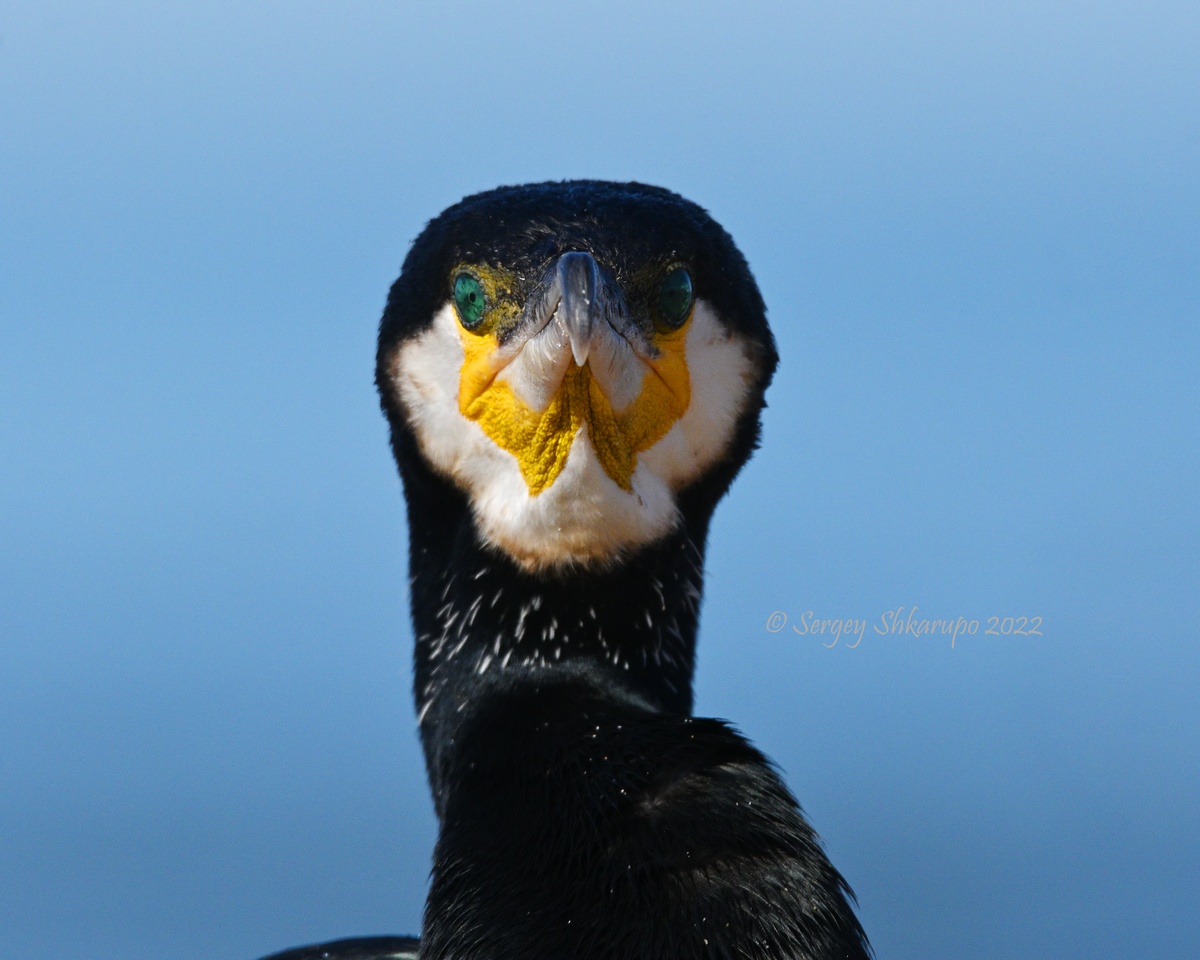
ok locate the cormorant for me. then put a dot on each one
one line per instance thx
(573, 374)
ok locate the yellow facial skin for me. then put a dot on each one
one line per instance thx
(542, 440)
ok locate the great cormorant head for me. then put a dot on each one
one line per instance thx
(584, 362)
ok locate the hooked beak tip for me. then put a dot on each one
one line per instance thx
(578, 278)
(580, 345)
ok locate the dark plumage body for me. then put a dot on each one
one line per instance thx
(614, 831)
(354, 948)
(584, 814)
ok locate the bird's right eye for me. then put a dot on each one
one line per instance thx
(675, 297)
(469, 300)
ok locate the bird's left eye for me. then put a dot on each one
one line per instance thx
(675, 296)
(469, 300)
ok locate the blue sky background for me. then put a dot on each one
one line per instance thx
(977, 227)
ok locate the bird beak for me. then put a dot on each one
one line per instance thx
(578, 279)
(582, 311)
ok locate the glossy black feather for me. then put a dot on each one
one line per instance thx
(354, 948)
(583, 814)
(614, 831)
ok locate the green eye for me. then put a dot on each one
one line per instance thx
(675, 296)
(469, 300)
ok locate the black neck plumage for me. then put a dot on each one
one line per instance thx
(482, 623)
(583, 812)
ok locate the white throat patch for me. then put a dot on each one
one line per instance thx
(583, 516)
